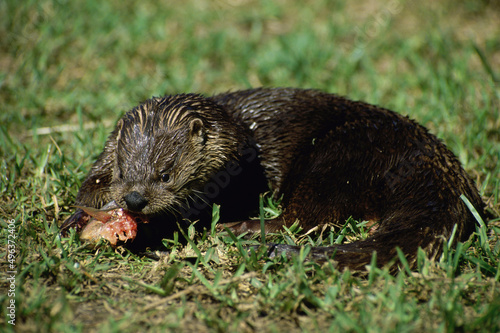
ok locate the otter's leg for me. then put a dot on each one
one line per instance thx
(318, 199)
(324, 188)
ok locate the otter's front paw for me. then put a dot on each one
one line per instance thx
(250, 226)
(253, 226)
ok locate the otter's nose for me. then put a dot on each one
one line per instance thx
(135, 201)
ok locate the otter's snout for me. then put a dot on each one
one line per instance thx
(135, 201)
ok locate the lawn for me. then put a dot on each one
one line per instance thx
(69, 69)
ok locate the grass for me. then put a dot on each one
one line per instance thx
(70, 69)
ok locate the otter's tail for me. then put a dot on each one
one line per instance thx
(403, 230)
(357, 255)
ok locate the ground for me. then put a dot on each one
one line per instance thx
(68, 70)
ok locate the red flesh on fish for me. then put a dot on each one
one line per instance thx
(112, 225)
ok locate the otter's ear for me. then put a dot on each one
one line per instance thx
(197, 130)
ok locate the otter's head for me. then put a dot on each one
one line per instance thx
(167, 149)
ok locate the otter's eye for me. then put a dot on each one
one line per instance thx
(165, 177)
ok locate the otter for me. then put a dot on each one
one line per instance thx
(328, 157)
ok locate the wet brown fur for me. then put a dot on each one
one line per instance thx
(330, 158)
